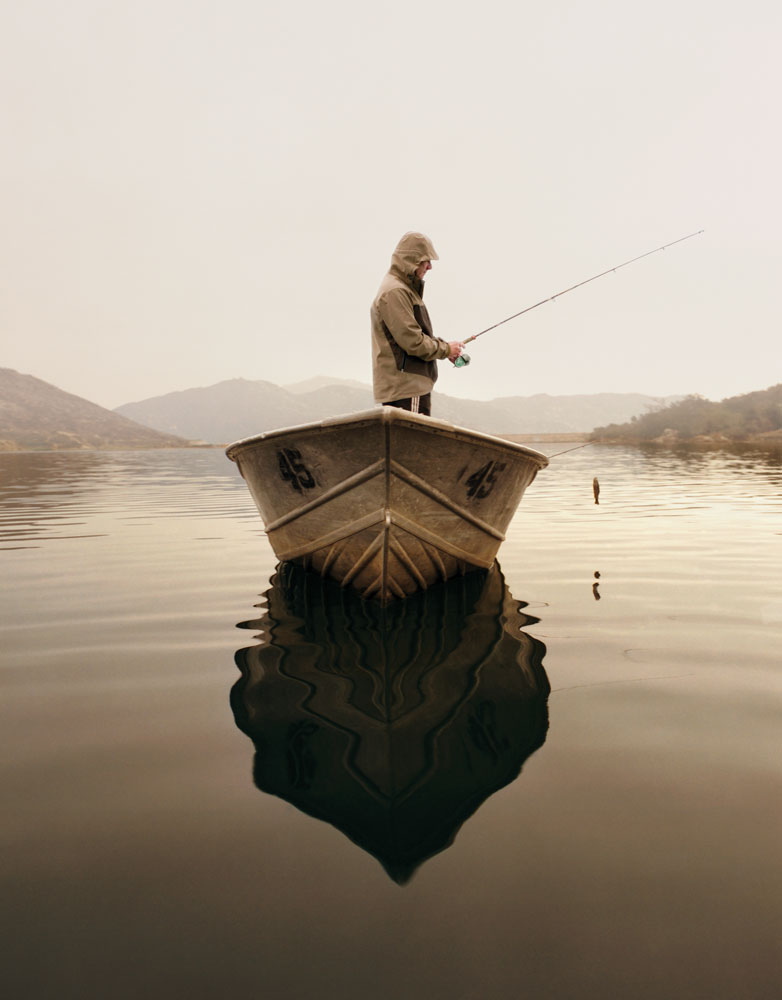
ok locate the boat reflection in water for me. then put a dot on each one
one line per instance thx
(393, 723)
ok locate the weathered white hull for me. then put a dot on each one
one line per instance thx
(385, 501)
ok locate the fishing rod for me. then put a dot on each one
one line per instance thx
(464, 359)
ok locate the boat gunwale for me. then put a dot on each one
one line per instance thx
(387, 415)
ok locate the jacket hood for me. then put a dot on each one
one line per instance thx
(410, 251)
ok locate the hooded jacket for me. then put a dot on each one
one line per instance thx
(404, 349)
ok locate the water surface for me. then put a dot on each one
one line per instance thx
(562, 780)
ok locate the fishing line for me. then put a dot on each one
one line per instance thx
(557, 454)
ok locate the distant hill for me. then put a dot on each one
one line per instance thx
(36, 416)
(754, 416)
(544, 414)
(237, 408)
(240, 408)
(322, 382)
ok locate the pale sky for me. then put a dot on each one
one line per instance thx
(199, 190)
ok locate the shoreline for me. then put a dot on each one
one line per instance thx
(771, 442)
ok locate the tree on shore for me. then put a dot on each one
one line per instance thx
(737, 417)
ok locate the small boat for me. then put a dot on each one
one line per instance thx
(385, 501)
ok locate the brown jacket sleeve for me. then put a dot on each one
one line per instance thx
(395, 309)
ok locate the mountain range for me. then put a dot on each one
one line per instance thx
(239, 408)
(35, 415)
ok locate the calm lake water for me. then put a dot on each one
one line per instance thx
(537, 783)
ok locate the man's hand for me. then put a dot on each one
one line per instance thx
(455, 349)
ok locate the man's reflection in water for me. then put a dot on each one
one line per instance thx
(392, 723)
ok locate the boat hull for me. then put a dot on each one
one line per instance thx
(387, 502)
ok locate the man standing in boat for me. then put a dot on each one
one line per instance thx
(405, 352)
